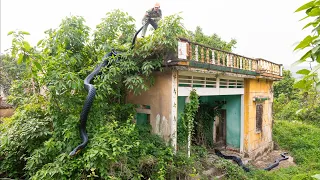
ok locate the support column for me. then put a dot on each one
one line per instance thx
(174, 109)
(242, 124)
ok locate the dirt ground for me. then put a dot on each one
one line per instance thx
(260, 163)
(270, 158)
(213, 173)
(263, 161)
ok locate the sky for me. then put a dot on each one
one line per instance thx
(267, 29)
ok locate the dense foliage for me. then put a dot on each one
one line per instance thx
(211, 40)
(46, 86)
(285, 86)
(9, 72)
(186, 124)
(205, 117)
(293, 103)
(48, 94)
(300, 140)
(36, 141)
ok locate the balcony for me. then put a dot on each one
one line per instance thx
(197, 55)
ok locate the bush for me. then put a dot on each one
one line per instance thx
(301, 139)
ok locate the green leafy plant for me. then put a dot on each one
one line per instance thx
(213, 40)
(186, 126)
(311, 43)
(9, 72)
(296, 103)
(285, 86)
(204, 124)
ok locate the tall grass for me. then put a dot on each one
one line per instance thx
(301, 140)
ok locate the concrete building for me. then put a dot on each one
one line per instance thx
(243, 84)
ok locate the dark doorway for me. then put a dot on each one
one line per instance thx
(220, 128)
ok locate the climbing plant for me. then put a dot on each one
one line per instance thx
(200, 116)
(186, 127)
(204, 124)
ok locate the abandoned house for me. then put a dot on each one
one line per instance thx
(242, 84)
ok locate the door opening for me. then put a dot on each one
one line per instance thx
(220, 129)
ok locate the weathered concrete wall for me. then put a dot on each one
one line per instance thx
(6, 112)
(159, 97)
(257, 143)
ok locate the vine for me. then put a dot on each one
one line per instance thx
(204, 125)
(187, 121)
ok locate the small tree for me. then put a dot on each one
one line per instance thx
(285, 86)
(213, 40)
(9, 72)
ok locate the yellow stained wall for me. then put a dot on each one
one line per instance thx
(257, 142)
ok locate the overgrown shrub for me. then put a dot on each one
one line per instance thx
(293, 103)
(284, 108)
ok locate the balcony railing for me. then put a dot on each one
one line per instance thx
(192, 51)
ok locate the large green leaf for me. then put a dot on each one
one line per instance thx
(314, 12)
(26, 45)
(305, 42)
(24, 32)
(314, 24)
(304, 18)
(303, 71)
(300, 84)
(10, 32)
(37, 65)
(305, 6)
(305, 56)
(25, 58)
(20, 59)
(39, 42)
